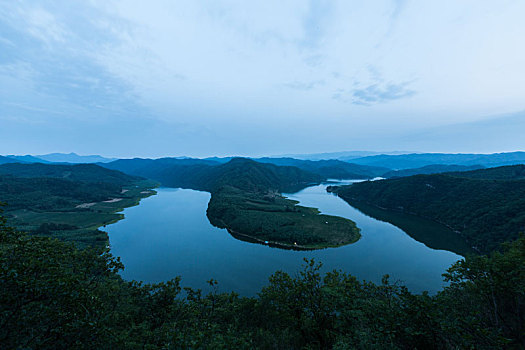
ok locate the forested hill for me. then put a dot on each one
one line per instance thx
(487, 206)
(68, 201)
(416, 160)
(332, 169)
(6, 160)
(77, 172)
(514, 172)
(208, 175)
(165, 168)
(249, 175)
(153, 168)
(430, 169)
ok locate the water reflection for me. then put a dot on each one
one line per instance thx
(169, 235)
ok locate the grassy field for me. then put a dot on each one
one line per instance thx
(269, 217)
(80, 221)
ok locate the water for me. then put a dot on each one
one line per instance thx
(169, 235)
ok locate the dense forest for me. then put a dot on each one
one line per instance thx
(56, 296)
(330, 169)
(179, 172)
(71, 201)
(267, 217)
(486, 206)
(91, 173)
(68, 201)
(246, 199)
(430, 169)
(417, 160)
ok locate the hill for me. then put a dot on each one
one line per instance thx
(6, 160)
(417, 160)
(73, 158)
(68, 201)
(246, 200)
(344, 155)
(76, 172)
(167, 169)
(513, 172)
(486, 207)
(430, 169)
(207, 175)
(27, 159)
(162, 169)
(331, 169)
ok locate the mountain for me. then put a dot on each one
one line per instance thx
(5, 160)
(72, 172)
(512, 172)
(416, 160)
(27, 159)
(430, 169)
(486, 207)
(153, 168)
(332, 169)
(73, 158)
(248, 174)
(345, 155)
(203, 174)
(70, 201)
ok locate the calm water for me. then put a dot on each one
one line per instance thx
(169, 235)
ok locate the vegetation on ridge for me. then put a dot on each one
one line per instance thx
(68, 201)
(487, 206)
(269, 217)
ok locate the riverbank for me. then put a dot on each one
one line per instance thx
(82, 223)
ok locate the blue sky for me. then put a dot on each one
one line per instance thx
(198, 78)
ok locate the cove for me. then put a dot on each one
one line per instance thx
(169, 235)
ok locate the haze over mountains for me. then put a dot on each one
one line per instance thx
(55, 158)
(330, 165)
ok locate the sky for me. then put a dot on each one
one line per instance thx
(253, 78)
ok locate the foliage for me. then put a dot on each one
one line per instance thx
(173, 170)
(267, 216)
(514, 172)
(55, 296)
(241, 173)
(416, 160)
(68, 201)
(52, 194)
(430, 169)
(487, 206)
(330, 168)
(77, 172)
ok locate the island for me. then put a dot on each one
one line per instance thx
(271, 219)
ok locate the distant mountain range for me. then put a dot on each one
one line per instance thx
(166, 170)
(345, 155)
(350, 164)
(430, 169)
(417, 160)
(55, 158)
(74, 158)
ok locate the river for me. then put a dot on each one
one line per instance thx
(169, 235)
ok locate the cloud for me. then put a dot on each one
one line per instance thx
(253, 64)
(305, 86)
(381, 93)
